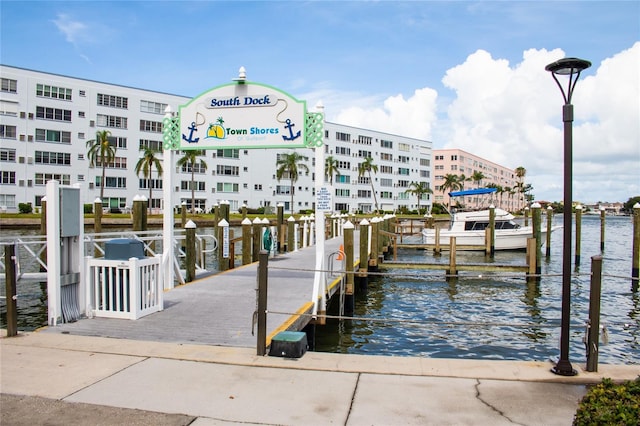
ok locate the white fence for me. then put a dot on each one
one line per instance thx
(127, 289)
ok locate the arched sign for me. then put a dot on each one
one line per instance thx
(243, 115)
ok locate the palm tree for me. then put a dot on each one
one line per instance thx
(289, 165)
(521, 172)
(331, 168)
(451, 183)
(190, 159)
(366, 167)
(102, 152)
(145, 164)
(477, 177)
(418, 189)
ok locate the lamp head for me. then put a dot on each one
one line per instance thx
(568, 66)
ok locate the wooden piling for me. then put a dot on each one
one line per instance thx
(11, 280)
(602, 225)
(246, 241)
(635, 262)
(183, 214)
(373, 255)
(536, 222)
(255, 235)
(437, 248)
(190, 251)
(97, 215)
(593, 334)
(549, 228)
(492, 231)
(291, 234)
(578, 235)
(261, 314)
(526, 216)
(224, 258)
(139, 214)
(349, 299)
(531, 260)
(452, 257)
(363, 275)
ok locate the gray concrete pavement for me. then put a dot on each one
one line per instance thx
(49, 378)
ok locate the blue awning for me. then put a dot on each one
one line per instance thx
(477, 191)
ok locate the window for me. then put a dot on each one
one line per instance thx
(56, 114)
(111, 121)
(58, 158)
(7, 132)
(404, 147)
(386, 182)
(344, 165)
(386, 195)
(439, 157)
(112, 182)
(54, 92)
(454, 158)
(8, 155)
(113, 101)
(227, 170)
(155, 183)
(386, 169)
(364, 154)
(8, 85)
(386, 144)
(403, 184)
(344, 137)
(8, 201)
(342, 179)
(227, 187)
(424, 173)
(364, 193)
(43, 178)
(120, 142)
(364, 180)
(7, 178)
(151, 144)
(283, 189)
(385, 156)
(257, 187)
(197, 168)
(81, 114)
(403, 171)
(82, 93)
(364, 140)
(10, 108)
(403, 159)
(80, 135)
(152, 107)
(341, 150)
(151, 126)
(117, 163)
(186, 185)
(439, 167)
(425, 162)
(56, 136)
(228, 153)
(343, 192)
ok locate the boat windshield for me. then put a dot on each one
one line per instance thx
(481, 225)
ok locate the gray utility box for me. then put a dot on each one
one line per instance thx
(123, 249)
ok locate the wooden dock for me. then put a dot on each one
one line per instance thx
(218, 310)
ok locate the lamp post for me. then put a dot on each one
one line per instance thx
(571, 67)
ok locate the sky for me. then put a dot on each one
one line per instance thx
(461, 74)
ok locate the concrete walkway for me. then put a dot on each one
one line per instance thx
(59, 379)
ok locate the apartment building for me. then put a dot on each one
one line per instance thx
(46, 120)
(466, 165)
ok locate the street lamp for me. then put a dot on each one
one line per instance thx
(571, 67)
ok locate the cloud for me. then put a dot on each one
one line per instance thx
(74, 31)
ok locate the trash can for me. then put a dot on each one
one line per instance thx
(123, 249)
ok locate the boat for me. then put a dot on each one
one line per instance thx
(469, 227)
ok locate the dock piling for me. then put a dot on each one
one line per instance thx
(635, 263)
(602, 223)
(10, 289)
(549, 227)
(348, 268)
(452, 257)
(261, 314)
(190, 250)
(578, 235)
(536, 222)
(593, 334)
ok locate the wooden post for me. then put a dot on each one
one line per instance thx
(452, 257)
(635, 256)
(526, 216)
(263, 272)
(97, 215)
(492, 231)
(183, 214)
(531, 260)
(244, 211)
(437, 249)
(536, 220)
(593, 335)
(549, 228)
(578, 234)
(373, 255)
(291, 234)
(246, 241)
(364, 254)
(257, 238)
(349, 300)
(223, 246)
(10, 289)
(190, 250)
(224, 210)
(602, 223)
(139, 214)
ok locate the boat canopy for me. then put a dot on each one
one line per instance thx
(477, 191)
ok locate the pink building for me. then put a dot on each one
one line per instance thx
(458, 162)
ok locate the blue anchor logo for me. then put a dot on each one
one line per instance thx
(290, 127)
(192, 129)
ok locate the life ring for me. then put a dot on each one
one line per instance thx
(267, 239)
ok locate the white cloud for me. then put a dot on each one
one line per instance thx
(74, 31)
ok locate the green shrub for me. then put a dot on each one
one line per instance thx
(610, 404)
(25, 208)
(87, 208)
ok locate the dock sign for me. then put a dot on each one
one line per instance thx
(324, 199)
(243, 115)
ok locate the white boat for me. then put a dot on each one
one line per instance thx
(469, 229)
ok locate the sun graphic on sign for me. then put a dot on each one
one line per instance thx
(217, 130)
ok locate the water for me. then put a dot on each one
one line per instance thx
(419, 313)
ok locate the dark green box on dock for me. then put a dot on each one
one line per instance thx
(289, 344)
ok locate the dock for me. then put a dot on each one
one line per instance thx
(219, 309)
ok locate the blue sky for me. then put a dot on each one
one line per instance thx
(462, 74)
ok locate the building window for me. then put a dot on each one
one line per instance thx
(120, 142)
(386, 195)
(8, 201)
(8, 155)
(343, 192)
(186, 185)
(58, 158)
(386, 144)
(152, 107)
(112, 182)
(404, 147)
(43, 178)
(56, 114)
(7, 178)
(342, 179)
(227, 170)
(151, 144)
(403, 184)
(54, 92)
(151, 126)
(7, 132)
(364, 140)
(386, 169)
(155, 184)
(113, 121)
(227, 187)
(56, 136)
(117, 163)
(403, 171)
(344, 137)
(113, 101)
(228, 153)
(341, 150)
(364, 154)
(197, 168)
(403, 159)
(8, 85)
(386, 182)
(364, 193)
(454, 158)
(385, 156)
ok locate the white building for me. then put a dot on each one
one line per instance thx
(47, 119)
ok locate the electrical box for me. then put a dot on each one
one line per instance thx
(289, 344)
(70, 221)
(123, 249)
